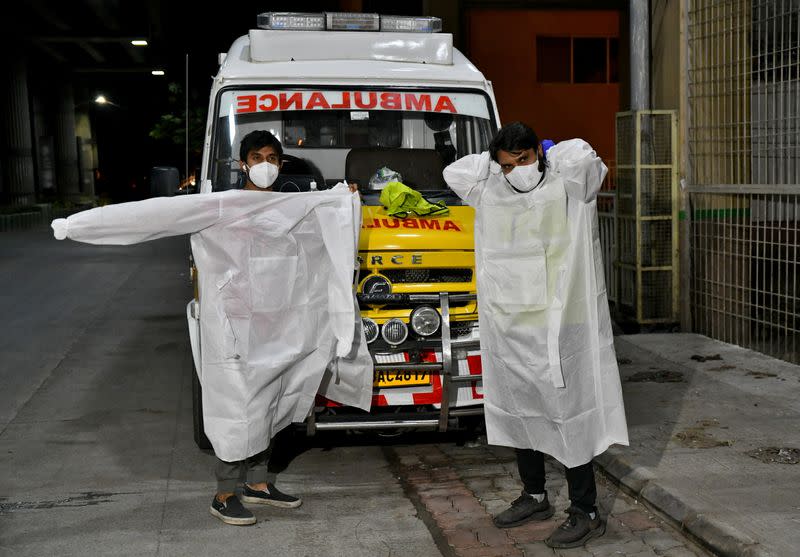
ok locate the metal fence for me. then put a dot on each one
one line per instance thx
(743, 174)
(647, 216)
(606, 203)
(745, 262)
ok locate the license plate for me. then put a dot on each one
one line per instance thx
(401, 378)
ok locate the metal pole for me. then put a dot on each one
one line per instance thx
(684, 264)
(186, 124)
(640, 54)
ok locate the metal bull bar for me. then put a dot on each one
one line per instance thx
(446, 369)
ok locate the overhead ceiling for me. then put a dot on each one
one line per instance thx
(94, 36)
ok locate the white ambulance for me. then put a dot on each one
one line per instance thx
(349, 94)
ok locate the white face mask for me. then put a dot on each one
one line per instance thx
(524, 178)
(262, 174)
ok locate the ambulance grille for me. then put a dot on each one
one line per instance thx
(462, 328)
(416, 276)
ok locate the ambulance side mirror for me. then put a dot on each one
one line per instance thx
(164, 181)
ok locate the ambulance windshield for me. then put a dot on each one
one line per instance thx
(330, 135)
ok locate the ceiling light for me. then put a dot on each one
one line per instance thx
(139, 42)
(100, 99)
(158, 72)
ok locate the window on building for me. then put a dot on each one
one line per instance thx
(577, 60)
(613, 60)
(589, 58)
(553, 59)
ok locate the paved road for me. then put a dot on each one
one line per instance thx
(97, 456)
(96, 446)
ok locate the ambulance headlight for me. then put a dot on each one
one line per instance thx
(370, 329)
(425, 321)
(291, 21)
(394, 331)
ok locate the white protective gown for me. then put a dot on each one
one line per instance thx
(276, 301)
(550, 373)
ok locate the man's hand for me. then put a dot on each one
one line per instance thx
(352, 186)
(59, 227)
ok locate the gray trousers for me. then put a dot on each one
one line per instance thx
(252, 470)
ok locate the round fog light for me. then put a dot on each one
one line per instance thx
(425, 321)
(394, 331)
(370, 329)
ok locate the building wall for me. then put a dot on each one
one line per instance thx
(503, 44)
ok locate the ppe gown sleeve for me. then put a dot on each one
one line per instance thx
(579, 166)
(467, 176)
(139, 221)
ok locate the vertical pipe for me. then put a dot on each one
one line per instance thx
(640, 54)
(685, 267)
(186, 125)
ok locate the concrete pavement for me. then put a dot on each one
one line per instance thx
(715, 445)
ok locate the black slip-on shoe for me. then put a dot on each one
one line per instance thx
(270, 496)
(524, 509)
(576, 530)
(231, 511)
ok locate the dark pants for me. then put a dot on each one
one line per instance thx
(580, 480)
(253, 470)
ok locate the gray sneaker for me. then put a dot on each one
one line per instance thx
(578, 529)
(524, 509)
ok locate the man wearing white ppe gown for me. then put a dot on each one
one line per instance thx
(275, 276)
(550, 373)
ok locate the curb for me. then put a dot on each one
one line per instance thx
(709, 532)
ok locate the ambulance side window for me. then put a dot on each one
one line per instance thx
(472, 136)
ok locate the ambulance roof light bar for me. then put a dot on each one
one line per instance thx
(347, 21)
(291, 21)
(408, 24)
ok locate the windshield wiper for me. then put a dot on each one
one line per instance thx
(438, 193)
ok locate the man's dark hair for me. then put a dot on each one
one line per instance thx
(256, 140)
(516, 136)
